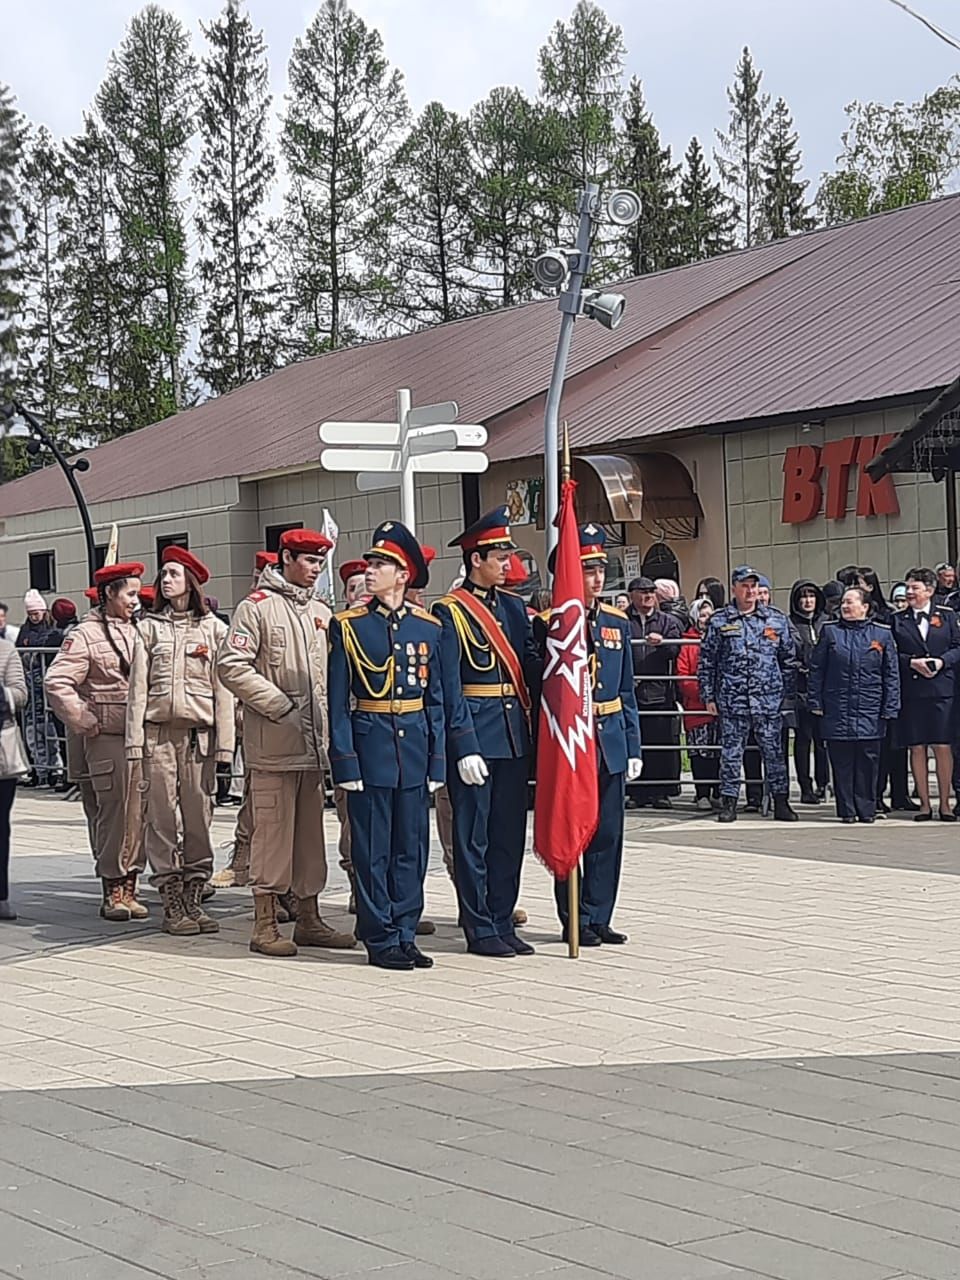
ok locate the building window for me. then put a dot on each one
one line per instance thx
(273, 533)
(43, 570)
(171, 540)
(100, 555)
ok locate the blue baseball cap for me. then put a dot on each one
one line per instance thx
(744, 571)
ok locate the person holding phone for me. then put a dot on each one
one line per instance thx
(928, 643)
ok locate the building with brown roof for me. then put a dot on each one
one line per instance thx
(731, 415)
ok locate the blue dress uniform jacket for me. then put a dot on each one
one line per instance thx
(387, 731)
(927, 715)
(854, 680)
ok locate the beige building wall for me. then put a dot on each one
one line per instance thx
(785, 552)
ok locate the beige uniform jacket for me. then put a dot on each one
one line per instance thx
(13, 683)
(173, 681)
(274, 660)
(85, 685)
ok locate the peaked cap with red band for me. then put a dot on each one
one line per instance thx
(180, 555)
(394, 541)
(263, 558)
(490, 533)
(593, 546)
(305, 541)
(350, 568)
(115, 572)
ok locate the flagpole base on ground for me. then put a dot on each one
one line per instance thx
(573, 913)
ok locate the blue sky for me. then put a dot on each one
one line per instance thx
(819, 54)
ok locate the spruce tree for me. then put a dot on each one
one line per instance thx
(738, 158)
(11, 144)
(429, 222)
(42, 355)
(146, 104)
(644, 165)
(239, 328)
(783, 209)
(345, 112)
(705, 216)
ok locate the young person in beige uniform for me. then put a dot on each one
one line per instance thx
(179, 724)
(87, 687)
(274, 660)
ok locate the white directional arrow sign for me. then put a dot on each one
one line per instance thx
(390, 454)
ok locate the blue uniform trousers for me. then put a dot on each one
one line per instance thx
(489, 834)
(767, 730)
(389, 829)
(855, 768)
(601, 862)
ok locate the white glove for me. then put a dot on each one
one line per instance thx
(351, 786)
(634, 767)
(473, 771)
(434, 786)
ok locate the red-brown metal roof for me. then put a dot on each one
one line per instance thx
(840, 316)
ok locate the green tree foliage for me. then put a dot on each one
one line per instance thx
(345, 112)
(42, 372)
(783, 208)
(893, 156)
(705, 216)
(239, 329)
(146, 104)
(428, 246)
(739, 154)
(13, 459)
(644, 165)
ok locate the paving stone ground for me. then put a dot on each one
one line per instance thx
(764, 1083)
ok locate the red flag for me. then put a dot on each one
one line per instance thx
(567, 804)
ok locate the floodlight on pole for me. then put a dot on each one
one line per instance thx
(565, 270)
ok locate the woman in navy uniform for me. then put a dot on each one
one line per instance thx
(387, 743)
(853, 688)
(617, 726)
(928, 640)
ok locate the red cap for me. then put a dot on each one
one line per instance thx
(429, 554)
(180, 555)
(516, 575)
(263, 558)
(307, 541)
(114, 572)
(148, 594)
(350, 568)
(91, 593)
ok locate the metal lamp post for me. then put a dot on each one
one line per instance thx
(565, 270)
(35, 428)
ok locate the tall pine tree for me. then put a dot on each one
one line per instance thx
(345, 112)
(147, 107)
(644, 165)
(42, 355)
(429, 222)
(239, 328)
(13, 459)
(705, 217)
(783, 208)
(739, 154)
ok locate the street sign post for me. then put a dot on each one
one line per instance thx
(425, 440)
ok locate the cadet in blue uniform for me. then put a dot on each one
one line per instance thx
(489, 660)
(387, 743)
(747, 669)
(617, 728)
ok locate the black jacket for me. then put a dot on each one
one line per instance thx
(806, 630)
(943, 641)
(654, 660)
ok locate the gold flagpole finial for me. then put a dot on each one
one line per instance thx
(567, 469)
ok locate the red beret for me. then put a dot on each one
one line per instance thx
(429, 554)
(263, 558)
(114, 572)
(91, 593)
(180, 555)
(516, 575)
(350, 568)
(307, 541)
(148, 593)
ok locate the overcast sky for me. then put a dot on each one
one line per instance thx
(819, 54)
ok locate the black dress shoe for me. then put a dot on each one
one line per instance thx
(849, 819)
(390, 958)
(606, 934)
(520, 947)
(809, 797)
(588, 937)
(490, 947)
(662, 803)
(866, 819)
(752, 806)
(905, 806)
(947, 816)
(782, 811)
(923, 817)
(883, 807)
(413, 952)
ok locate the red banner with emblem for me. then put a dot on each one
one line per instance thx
(567, 802)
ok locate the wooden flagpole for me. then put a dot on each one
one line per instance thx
(573, 880)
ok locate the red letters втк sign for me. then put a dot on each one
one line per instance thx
(801, 484)
(805, 465)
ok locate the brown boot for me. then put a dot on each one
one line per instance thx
(241, 863)
(266, 936)
(519, 916)
(175, 918)
(138, 910)
(192, 904)
(287, 905)
(312, 931)
(114, 906)
(425, 928)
